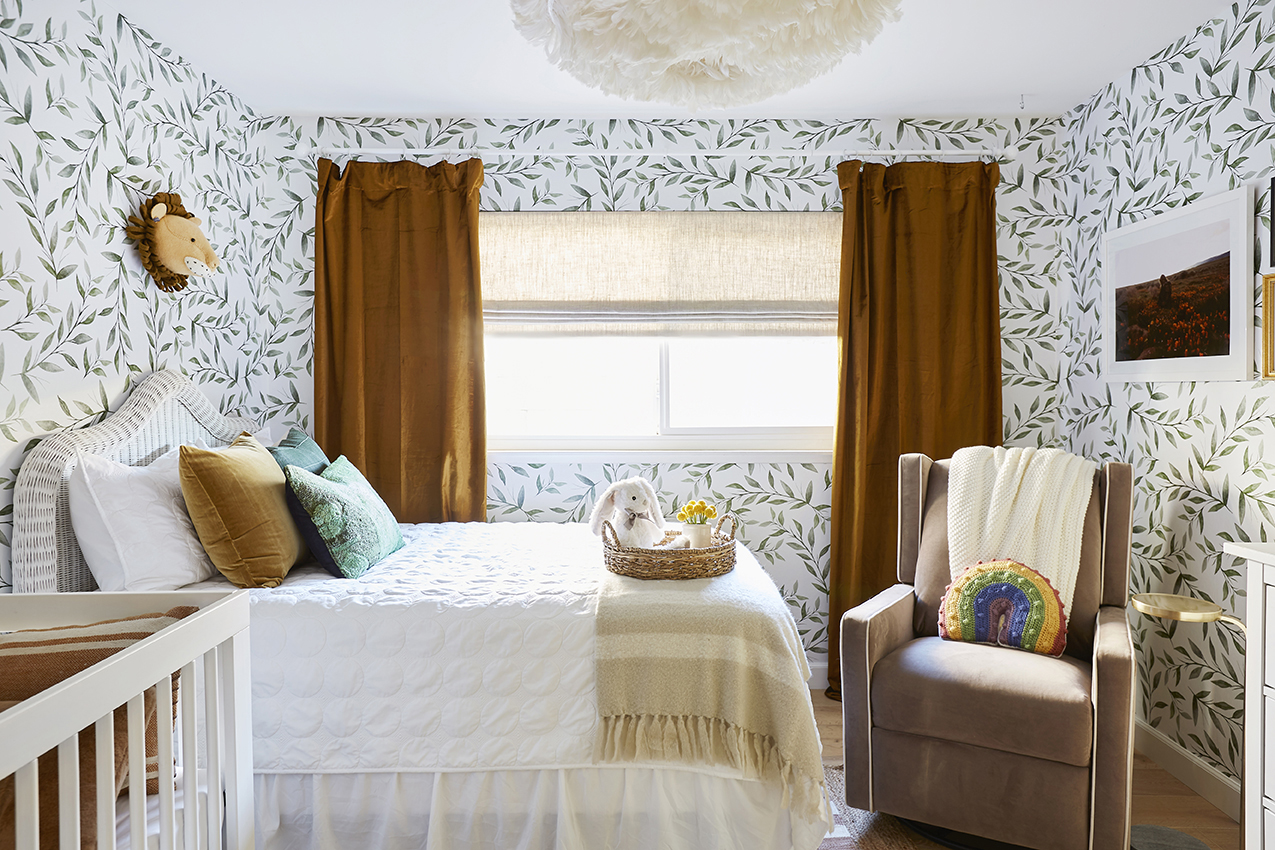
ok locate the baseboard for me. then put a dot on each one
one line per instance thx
(1197, 774)
(818, 672)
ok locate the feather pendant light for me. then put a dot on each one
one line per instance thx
(702, 53)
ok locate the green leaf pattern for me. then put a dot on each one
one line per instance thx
(97, 115)
(783, 507)
(1195, 120)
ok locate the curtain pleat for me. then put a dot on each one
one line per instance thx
(919, 329)
(398, 354)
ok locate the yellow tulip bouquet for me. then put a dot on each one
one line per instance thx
(697, 513)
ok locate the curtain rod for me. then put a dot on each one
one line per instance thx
(998, 153)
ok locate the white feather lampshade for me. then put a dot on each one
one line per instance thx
(702, 53)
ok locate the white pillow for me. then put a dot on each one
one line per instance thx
(132, 525)
(265, 436)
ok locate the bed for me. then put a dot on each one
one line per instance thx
(212, 726)
(462, 692)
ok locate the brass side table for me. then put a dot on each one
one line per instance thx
(1187, 609)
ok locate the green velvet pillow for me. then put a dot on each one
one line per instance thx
(297, 449)
(342, 519)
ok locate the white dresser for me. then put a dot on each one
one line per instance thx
(1259, 694)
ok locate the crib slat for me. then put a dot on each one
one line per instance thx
(239, 791)
(28, 729)
(26, 805)
(164, 723)
(69, 793)
(212, 734)
(190, 758)
(104, 788)
(137, 771)
(27, 724)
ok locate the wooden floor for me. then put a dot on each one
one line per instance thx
(1158, 798)
(828, 716)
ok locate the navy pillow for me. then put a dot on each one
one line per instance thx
(310, 534)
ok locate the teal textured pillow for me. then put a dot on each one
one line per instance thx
(297, 449)
(352, 528)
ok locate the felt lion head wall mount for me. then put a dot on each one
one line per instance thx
(171, 245)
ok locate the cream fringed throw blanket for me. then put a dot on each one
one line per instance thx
(1026, 505)
(711, 672)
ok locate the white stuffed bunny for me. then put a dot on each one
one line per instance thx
(634, 513)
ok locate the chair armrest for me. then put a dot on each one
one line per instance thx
(869, 632)
(1112, 695)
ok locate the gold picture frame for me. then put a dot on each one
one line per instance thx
(1268, 327)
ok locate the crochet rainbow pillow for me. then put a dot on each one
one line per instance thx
(1007, 604)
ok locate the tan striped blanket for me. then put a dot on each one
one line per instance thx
(708, 672)
(34, 660)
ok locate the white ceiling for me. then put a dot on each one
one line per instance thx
(451, 58)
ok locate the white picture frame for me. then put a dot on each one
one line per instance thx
(1154, 332)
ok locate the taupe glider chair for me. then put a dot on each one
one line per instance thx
(1009, 745)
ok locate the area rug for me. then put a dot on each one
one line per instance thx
(859, 830)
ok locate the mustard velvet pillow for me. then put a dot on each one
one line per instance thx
(236, 500)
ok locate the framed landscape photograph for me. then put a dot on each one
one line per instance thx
(1177, 296)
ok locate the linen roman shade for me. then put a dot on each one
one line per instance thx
(660, 273)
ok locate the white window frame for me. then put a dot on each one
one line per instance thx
(817, 440)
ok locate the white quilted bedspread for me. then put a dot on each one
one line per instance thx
(469, 649)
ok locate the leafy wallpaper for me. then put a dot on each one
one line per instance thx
(783, 507)
(97, 115)
(1196, 119)
(107, 116)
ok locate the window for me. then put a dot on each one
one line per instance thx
(581, 392)
(758, 383)
(659, 330)
(578, 386)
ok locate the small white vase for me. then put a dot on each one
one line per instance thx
(700, 534)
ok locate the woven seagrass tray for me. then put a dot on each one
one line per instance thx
(660, 563)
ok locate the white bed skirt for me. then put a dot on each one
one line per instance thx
(557, 809)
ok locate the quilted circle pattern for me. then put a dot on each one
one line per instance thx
(468, 648)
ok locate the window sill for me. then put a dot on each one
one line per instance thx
(748, 441)
(667, 455)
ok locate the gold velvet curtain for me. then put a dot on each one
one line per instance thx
(919, 329)
(398, 348)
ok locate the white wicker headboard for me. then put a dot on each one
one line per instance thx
(165, 410)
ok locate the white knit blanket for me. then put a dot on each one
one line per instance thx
(1026, 505)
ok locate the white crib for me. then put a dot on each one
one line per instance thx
(214, 728)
